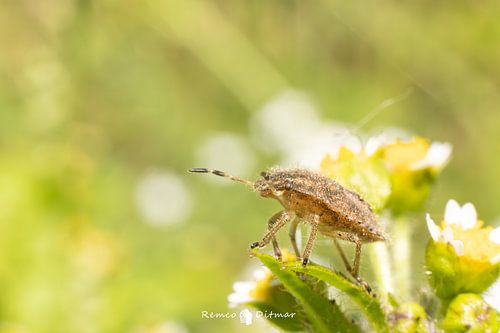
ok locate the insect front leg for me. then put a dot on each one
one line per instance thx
(310, 242)
(270, 224)
(276, 222)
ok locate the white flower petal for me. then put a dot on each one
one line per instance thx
(241, 293)
(433, 228)
(439, 153)
(437, 156)
(495, 235)
(372, 145)
(235, 299)
(261, 274)
(468, 217)
(495, 259)
(448, 235)
(243, 286)
(452, 212)
(458, 246)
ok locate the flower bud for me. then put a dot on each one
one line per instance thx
(409, 318)
(470, 313)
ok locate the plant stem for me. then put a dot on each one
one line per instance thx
(379, 256)
(402, 256)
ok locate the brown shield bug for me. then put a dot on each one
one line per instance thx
(319, 201)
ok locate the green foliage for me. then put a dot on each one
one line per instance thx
(322, 315)
(367, 303)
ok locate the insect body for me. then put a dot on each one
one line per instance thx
(319, 201)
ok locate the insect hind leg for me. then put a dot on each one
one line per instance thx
(354, 269)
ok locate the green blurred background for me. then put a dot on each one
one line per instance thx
(104, 105)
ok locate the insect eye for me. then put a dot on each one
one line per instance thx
(265, 175)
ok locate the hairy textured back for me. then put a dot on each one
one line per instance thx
(348, 205)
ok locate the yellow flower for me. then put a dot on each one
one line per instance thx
(416, 154)
(363, 173)
(470, 239)
(390, 173)
(249, 291)
(259, 289)
(463, 255)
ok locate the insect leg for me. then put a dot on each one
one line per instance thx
(310, 241)
(357, 258)
(281, 219)
(293, 233)
(354, 269)
(343, 256)
(276, 249)
(270, 224)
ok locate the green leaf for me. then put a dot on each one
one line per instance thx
(370, 305)
(324, 316)
(293, 323)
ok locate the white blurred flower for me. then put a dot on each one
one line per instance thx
(247, 291)
(325, 140)
(404, 152)
(437, 157)
(388, 136)
(228, 152)
(162, 198)
(289, 124)
(285, 121)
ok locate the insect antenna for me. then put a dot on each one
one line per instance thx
(221, 174)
